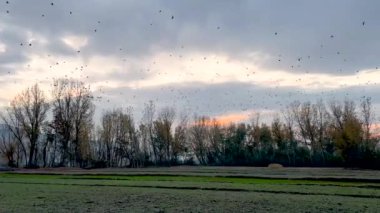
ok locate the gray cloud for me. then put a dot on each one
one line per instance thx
(298, 36)
(303, 29)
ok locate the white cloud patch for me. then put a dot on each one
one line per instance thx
(3, 48)
(33, 38)
(75, 42)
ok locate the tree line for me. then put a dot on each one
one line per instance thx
(60, 132)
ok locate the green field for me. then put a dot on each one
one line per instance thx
(190, 189)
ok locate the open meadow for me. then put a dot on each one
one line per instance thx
(190, 189)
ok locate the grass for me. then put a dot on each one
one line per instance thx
(195, 192)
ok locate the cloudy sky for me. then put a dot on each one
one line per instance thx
(218, 57)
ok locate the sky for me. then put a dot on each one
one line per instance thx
(226, 59)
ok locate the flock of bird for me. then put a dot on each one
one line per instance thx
(185, 96)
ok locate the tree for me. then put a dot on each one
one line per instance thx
(217, 143)
(312, 121)
(289, 134)
(28, 110)
(8, 149)
(346, 130)
(234, 140)
(180, 137)
(163, 138)
(147, 131)
(127, 139)
(120, 139)
(108, 135)
(367, 120)
(72, 114)
(198, 138)
(13, 125)
(266, 144)
(283, 138)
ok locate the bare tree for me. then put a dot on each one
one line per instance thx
(147, 131)
(8, 149)
(296, 111)
(127, 139)
(28, 110)
(312, 122)
(198, 138)
(13, 125)
(216, 138)
(367, 117)
(180, 138)
(120, 139)
(163, 127)
(72, 110)
(108, 135)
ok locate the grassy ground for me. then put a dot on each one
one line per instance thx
(190, 189)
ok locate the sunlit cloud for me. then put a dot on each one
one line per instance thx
(227, 119)
(247, 116)
(375, 130)
(165, 68)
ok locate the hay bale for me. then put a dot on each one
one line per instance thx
(275, 166)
